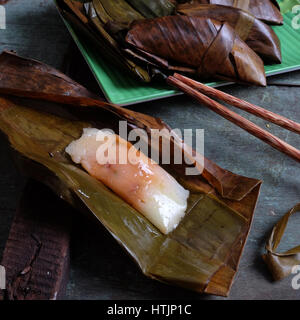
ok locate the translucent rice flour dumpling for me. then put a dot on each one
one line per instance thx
(134, 177)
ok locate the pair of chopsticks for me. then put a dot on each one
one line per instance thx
(203, 94)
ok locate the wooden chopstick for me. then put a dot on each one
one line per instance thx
(235, 118)
(241, 104)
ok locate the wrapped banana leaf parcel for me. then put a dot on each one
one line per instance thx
(258, 36)
(197, 46)
(195, 241)
(265, 10)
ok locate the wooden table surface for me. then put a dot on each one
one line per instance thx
(99, 267)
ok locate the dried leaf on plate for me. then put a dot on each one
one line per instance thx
(153, 8)
(257, 35)
(118, 11)
(266, 10)
(205, 47)
(130, 43)
(94, 32)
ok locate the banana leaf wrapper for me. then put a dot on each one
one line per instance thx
(93, 30)
(153, 8)
(235, 60)
(126, 11)
(266, 10)
(203, 252)
(283, 264)
(201, 46)
(119, 14)
(258, 36)
(118, 11)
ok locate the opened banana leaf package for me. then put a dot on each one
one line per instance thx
(149, 150)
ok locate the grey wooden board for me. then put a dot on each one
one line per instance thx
(100, 269)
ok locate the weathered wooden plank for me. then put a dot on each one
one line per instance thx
(36, 255)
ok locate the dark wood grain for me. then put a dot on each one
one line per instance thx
(36, 255)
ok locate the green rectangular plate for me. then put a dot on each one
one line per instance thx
(119, 88)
